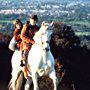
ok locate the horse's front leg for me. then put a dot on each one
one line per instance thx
(34, 78)
(28, 83)
(19, 81)
(52, 75)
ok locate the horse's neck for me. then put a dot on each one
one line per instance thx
(48, 35)
(42, 30)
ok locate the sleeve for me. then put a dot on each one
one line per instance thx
(16, 34)
(24, 35)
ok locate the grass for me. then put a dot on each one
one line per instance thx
(86, 23)
(82, 33)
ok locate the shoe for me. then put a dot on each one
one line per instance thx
(22, 64)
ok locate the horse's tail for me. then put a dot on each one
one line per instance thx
(10, 85)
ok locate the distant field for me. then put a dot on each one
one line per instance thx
(5, 21)
(82, 33)
(73, 22)
(81, 23)
(86, 23)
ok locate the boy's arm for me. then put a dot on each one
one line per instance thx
(24, 35)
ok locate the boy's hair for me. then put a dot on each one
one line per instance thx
(34, 16)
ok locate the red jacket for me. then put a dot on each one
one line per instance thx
(16, 34)
(27, 34)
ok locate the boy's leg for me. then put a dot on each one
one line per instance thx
(24, 57)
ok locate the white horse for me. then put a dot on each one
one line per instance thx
(40, 59)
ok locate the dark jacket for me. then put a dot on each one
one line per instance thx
(16, 35)
(27, 34)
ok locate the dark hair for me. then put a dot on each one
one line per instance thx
(17, 21)
(33, 16)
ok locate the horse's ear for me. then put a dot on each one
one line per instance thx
(43, 23)
(52, 23)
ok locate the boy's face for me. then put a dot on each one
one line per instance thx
(32, 21)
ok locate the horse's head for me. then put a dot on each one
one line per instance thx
(46, 27)
(43, 36)
(46, 31)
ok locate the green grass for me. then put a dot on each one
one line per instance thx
(86, 23)
(82, 33)
(6, 21)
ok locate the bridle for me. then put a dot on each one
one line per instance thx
(46, 49)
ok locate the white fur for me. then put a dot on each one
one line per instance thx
(41, 62)
(15, 69)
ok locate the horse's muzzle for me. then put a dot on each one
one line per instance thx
(46, 49)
